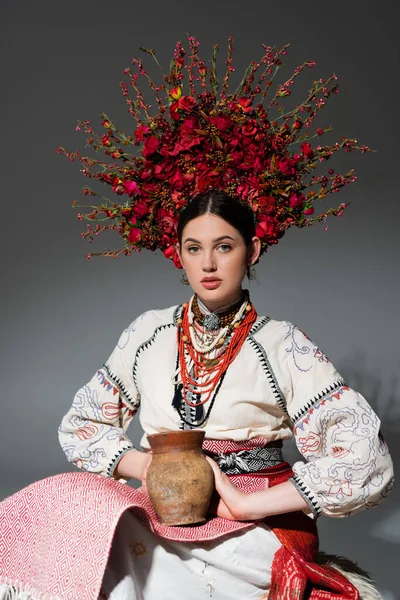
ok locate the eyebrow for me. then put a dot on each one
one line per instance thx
(218, 239)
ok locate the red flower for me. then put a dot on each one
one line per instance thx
(105, 141)
(174, 112)
(126, 212)
(265, 201)
(309, 210)
(245, 105)
(177, 261)
(131, 188)
(277, 142)
(306, 150)
(267, 228)
(177, 181)
(242, 190)
(134, 234)
(140, 209)
(320, 131)
(250, 127)
(285, 166)
(222, 122)
(175, 93)
(150, 146)
(187, 103)
(169, 252)
(189, 125)
(140, 132)
(296, 200)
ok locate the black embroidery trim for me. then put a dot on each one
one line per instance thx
(307, 495)
(177, 314)
(259, 324)
(122, 389)
(266, 365)
(317, 398)
(116, 458)
(145, 345)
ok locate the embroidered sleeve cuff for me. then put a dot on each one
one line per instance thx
(115, 460)
(308, 496)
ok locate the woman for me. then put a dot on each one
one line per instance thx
(278, 383)
(250, 382)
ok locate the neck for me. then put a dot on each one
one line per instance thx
(223, 305)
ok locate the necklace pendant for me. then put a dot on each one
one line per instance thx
(209, 362)
(211, 322)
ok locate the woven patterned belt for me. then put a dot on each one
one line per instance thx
(249, 460)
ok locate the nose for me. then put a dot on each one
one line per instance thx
(209, 264)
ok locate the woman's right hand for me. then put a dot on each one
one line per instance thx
(145, 469)
(133, 465)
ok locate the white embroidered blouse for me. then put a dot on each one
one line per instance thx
(280, 384)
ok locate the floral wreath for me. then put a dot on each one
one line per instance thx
(203, 136)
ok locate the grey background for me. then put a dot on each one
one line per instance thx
(61, 314)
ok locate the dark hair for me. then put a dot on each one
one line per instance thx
(219, 203)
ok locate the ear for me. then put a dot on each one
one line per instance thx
(178, 251)
(254, 251)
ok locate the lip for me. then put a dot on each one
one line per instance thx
(210, 279)
(211, 284)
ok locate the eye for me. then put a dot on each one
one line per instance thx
(225, 247)
(193, 249)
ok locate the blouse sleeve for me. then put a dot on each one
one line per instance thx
(347, 464)
(93, 432)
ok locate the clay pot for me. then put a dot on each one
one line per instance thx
(179, 480)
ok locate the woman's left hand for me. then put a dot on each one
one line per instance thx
(232, 504)
(278, 499)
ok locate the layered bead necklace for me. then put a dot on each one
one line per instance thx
(204, 353)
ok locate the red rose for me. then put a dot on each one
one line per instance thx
(235, 157)
(177, 261)
(140, 209)
(134, 234)
(131, 188)
(177, 181)
(150, 146)
(250, 128)
(306, 149)
(187, 103)
(265, 201)
(285, 166)
(243, 190)
(277, 142)
(174, 112)
(296, 200)
(189, 125)
(169, 252)
(222, 122)
(266, 227)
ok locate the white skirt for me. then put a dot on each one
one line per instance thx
(143, 566)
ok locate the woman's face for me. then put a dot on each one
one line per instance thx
(215, 258)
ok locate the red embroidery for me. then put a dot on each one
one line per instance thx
(341, 487)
